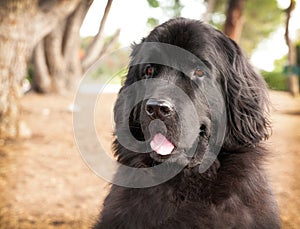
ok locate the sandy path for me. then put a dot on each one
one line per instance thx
(45, 183)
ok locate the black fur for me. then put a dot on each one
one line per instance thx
(233, 192)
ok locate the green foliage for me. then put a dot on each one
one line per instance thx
(280, 64)
(171, 8)
(153, 3)
(276, 80)
(152, 22)
(261, 19)
(174, 8)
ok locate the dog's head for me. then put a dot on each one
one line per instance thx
(184, 67)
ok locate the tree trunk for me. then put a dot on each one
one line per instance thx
(55, 61)
(12, 71)
(62, 49)
(22, 25)
(14, 53)
(41, 81)
(71, 45)
(293, 81)
(234, 19)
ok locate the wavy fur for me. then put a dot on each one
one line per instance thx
(233, 192)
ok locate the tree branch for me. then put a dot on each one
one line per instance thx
(96, 45)
(291, 53)
(50, 15)
(110, 43)
(73, 25)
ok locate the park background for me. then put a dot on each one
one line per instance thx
(46, 46)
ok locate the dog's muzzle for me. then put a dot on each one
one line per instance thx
(159, 109)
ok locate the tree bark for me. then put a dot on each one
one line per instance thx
(234, 19)
(12, 70)
(54, 58)
(14, 53)
(41, 81)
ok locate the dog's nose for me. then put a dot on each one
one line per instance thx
(159, 108)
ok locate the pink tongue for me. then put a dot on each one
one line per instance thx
(161, 145)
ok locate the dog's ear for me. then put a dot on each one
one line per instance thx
(246, 96)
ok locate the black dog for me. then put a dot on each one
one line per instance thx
(233, 192)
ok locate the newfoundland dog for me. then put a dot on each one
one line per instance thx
(190, 119)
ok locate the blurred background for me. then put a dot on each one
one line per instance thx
(46, 46)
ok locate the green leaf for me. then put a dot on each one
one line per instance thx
(153, 3)
(152, 22)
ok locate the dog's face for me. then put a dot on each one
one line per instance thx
(174, 124)
(176, 114)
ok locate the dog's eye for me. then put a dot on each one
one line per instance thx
(198, 72)
(149, 70)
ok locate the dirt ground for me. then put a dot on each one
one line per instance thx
(45, 183)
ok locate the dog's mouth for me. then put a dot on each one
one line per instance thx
(169, 137)
(161, 145)
(165, 148)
